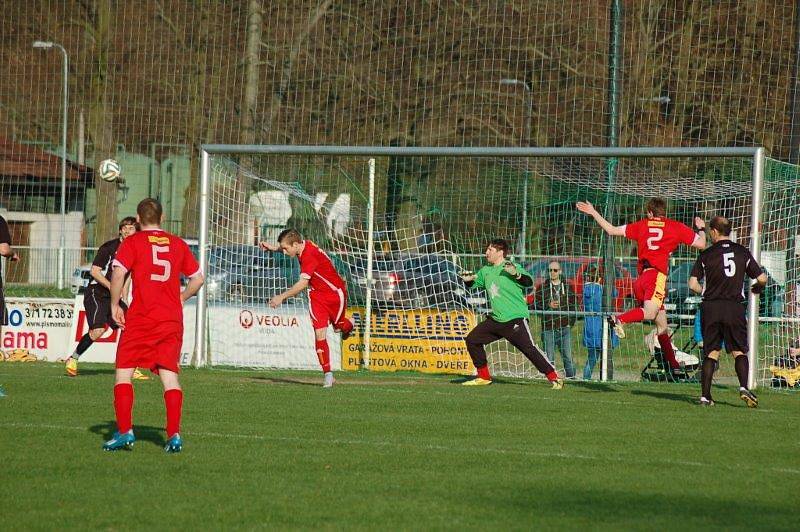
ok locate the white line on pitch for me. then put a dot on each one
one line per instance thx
(429, 447)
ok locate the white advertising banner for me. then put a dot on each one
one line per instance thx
(105, 348)
(252, 336)
(257, 336)
(38, 329)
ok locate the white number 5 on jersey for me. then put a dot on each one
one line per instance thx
(728, 264)
(656, 234)
(160, 277)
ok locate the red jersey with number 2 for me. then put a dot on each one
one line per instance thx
(656, 239)
(156, 260)
(316, 266)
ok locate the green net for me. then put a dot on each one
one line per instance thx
(434, 217)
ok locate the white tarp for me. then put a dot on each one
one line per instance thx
(38, 328)
(259, 336)
(252, 336)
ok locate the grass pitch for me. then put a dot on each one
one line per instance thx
(388, 451)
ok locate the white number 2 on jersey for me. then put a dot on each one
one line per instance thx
(656, 234)
(160, 277)
(728, 264)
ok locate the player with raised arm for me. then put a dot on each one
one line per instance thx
(327, 293)
(153, 326)
(724, 266)
(656, 238)
(504, 282)
(97, 297)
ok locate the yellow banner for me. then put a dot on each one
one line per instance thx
(429, 341)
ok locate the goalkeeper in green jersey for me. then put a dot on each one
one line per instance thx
(504, 282)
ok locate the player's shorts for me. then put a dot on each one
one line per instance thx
(723, 321)
(98, 310)
(326, 307)
(151, 345)
(651, 285)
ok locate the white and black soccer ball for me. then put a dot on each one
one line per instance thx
(109, 170)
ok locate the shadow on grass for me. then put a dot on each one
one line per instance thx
(641, 508)
(681, 398)
(286, 380)
(690, 399)
(593, 386)
(85, 372)
(143, 432)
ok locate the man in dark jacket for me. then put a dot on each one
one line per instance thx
(554, 295)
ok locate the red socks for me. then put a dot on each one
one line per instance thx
(632, 316)
(552, 376)
(173, 399)
(324, 355)
(483, 373)
(666, 347)
(123, 406)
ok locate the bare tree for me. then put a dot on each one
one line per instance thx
(202, 107)
(98, 18)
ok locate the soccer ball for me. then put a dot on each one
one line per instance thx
(109, 170)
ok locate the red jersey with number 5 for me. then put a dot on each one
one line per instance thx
(156, 260)
(656, 239)
(316, 266)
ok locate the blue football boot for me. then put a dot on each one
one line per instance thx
(120, 441)
(174, 444)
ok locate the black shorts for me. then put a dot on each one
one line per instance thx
(3, 313)
(724, 321)
(98, 310)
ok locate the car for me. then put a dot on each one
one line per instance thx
(682, 301)
(411, 281)
(80, 279)
(574, 272)
(245, 274)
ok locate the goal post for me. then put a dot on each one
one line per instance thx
(547, 181)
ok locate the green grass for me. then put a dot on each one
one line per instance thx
(388, 451)
(26, 290)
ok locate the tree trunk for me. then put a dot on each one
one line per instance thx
(100, 118)
(235, 209)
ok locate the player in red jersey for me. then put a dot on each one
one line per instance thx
(153, 326)
(656, 238)
(327, 293)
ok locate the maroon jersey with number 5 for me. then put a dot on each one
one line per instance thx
(156, 260)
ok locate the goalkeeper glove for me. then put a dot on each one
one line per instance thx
(757, 288)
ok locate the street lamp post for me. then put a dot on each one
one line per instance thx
(527, 142)
(46, 45)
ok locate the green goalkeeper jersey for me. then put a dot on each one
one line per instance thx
(506, 295)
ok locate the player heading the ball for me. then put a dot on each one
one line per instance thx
(327, 293)
(656, 237)
(153, 326)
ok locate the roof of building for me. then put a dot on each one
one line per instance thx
(26, 161)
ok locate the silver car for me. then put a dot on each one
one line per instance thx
(80, 279)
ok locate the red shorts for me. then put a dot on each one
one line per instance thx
(150, 345)
(651, 285)
(327, 307)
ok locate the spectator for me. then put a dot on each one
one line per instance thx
(554, 295)
(593, 325)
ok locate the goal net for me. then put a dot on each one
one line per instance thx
(431, 218)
